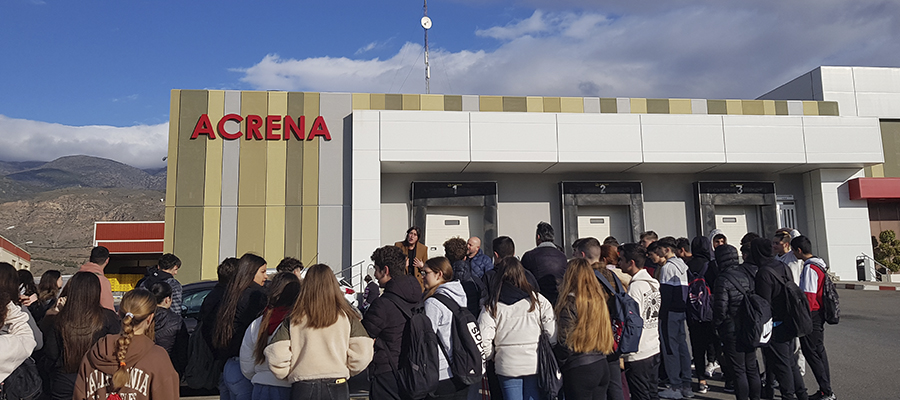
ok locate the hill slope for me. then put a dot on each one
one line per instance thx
(86, 171)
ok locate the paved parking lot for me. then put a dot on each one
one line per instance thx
(864, 349)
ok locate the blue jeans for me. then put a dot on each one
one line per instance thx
(520, 387)
(267, 392)
(234, 385)
(675, 354)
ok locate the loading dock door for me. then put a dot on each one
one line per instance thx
(593, 226)
(736, 221)
(443, 223)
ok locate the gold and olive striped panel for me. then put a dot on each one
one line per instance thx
(608, 105)
(272, 195)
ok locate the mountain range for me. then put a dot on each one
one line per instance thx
(53, 205)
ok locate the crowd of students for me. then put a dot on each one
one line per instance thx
(297, 337)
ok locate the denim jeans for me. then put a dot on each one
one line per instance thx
(320, 389)
(268, 392)
(520, 387)
(234, 385)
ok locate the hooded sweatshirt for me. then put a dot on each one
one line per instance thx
(511, 337)
(154, 275)
(812, 281)
(645, 291)
(385, 322)
(441, 318)
(151, 375)
(106, 297)
(674, 282)
(16, 339)
(701, 248)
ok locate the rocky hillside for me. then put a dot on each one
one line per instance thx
(54, 205)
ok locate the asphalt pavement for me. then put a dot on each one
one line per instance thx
(863, 350)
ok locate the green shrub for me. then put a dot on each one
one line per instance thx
(888, 250)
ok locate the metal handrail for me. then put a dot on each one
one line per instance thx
(342, 274)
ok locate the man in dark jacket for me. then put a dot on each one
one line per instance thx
(740, 365)
(166, 269)
(546, 262)
(779, 353)
(384, 321)
(704, 341)
(479, 263)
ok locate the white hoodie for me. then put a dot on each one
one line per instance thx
(441, 319)
(645, 291)
(16, 339)
(511, 337)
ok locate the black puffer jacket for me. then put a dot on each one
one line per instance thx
(171, 334)
(384, 322)
(727, 297)
(769, 286)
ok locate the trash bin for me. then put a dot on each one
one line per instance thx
(865, 269)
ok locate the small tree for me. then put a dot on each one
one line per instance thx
(888, 250)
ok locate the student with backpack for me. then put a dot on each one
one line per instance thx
(128, 365)
(673, 279)
(441, 294)
(511, 324)
(385, 321)
(816, 284)
(642, 366)
(584, 333)
(741, 368)
(322, 342)
(17, 336)
(704, 342)
(772, 284)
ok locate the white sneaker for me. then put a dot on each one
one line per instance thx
(669, 393)
(711, 368)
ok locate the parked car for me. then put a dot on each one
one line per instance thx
(192, 297)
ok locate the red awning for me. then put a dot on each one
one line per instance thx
(874, 188)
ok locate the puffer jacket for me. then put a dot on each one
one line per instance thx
(511, 336)
(727, 299)
(384, 322)
(441, 318)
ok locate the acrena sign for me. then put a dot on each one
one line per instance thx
(259, 128)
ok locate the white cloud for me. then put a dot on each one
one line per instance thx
(529, 26)
(694, 49)
(142, 146)
(366, 48)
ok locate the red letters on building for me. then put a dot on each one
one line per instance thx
(254, 127)
(203, 127)
(221, 126)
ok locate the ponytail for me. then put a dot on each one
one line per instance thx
(137, 305)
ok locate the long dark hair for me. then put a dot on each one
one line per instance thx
(510, 271)
(283, 292)
(247, 267)
(26, 282)
(47, 288)
(80, 318)
(9, 288)
(321, 300)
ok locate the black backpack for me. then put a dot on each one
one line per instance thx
(700, 297)
(24, 383)
(418, 372)
(627, 323)
(755, 315)
(468, 365)
(797, 307)
(831, 303)
(202, 370)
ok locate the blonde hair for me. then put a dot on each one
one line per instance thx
(320, 300)
(592, 330)
(137, 305)
(442, 265)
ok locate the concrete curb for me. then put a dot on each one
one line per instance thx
(862, 286)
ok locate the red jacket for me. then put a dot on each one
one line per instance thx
(812, 281)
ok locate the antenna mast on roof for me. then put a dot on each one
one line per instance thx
(426, 23)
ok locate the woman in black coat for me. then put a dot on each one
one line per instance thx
(740, 367)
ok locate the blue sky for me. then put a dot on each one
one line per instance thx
(72, 70)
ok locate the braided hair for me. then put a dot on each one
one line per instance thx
(137, 305)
